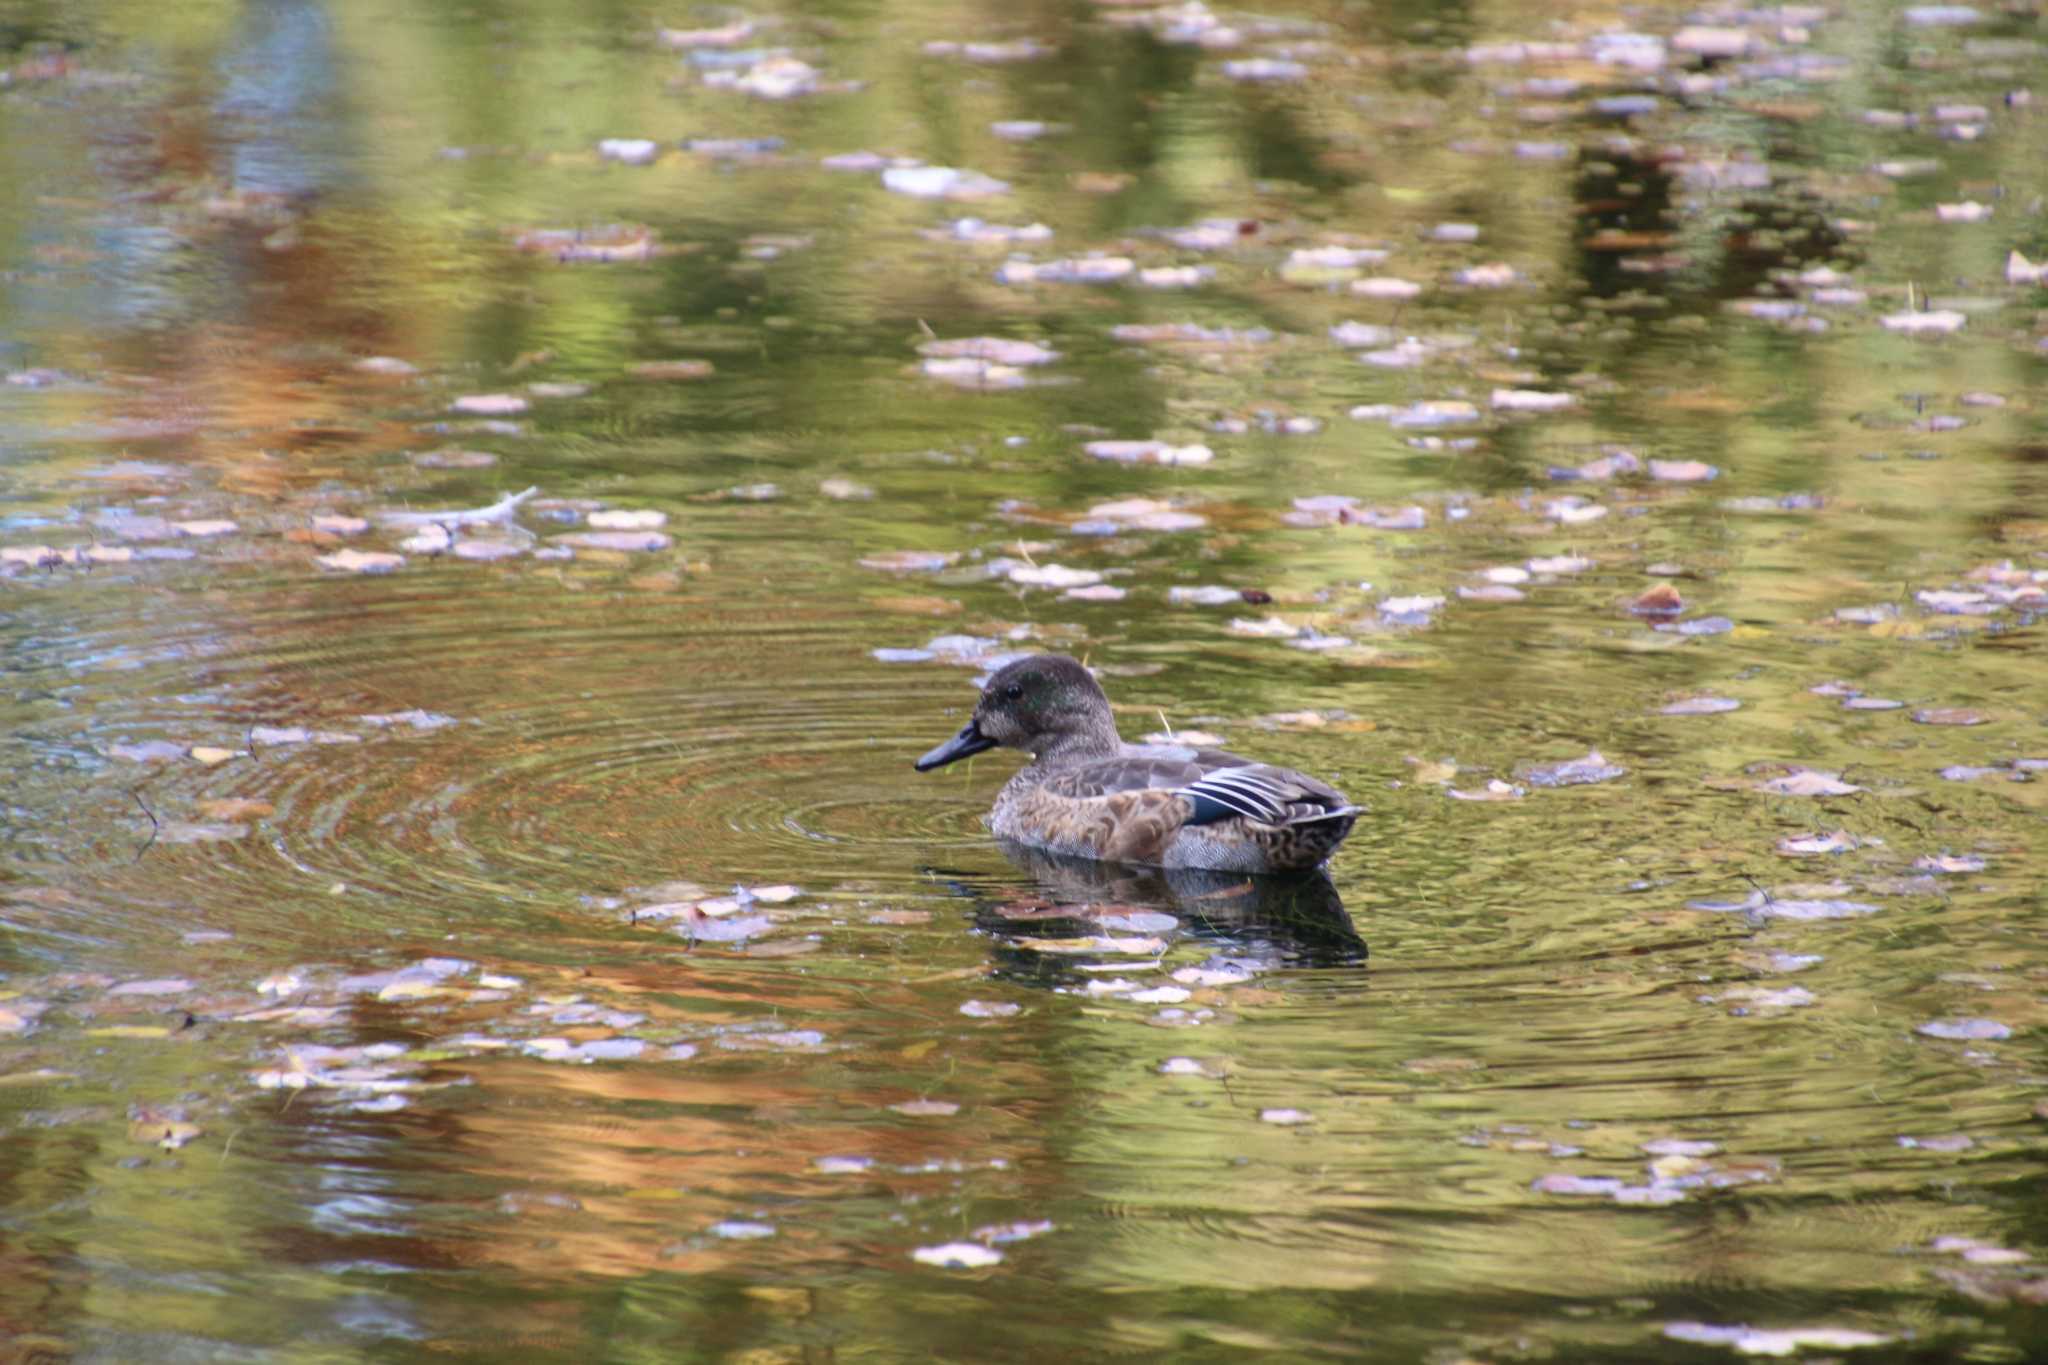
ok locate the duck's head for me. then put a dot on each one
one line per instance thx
(1039, 704)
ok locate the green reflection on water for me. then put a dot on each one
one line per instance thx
(222, 207)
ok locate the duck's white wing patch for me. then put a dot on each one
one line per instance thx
(1232, 792)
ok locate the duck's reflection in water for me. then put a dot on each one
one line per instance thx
(1254, 922)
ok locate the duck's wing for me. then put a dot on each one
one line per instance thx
(1265, 795)
(1216, 785)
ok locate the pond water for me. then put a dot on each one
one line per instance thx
(448, 921)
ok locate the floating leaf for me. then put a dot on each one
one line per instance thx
(941, 182)
(1970, 1030)
(624, 520)
(1149, 452)
(490, 404)
(958, 1256)
(1808, 782)
(739, 1230)
(360, 561)
(1593, 767)
(909, 561)
(1700, 706)
(1950, 715)
(624, 542)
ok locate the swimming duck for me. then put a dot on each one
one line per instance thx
(1088, 794)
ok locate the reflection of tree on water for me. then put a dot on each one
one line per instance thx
(1295, 920)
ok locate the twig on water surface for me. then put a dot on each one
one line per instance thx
(135, 794)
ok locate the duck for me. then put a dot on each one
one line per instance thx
(1088, 794)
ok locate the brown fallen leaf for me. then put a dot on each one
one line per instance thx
(1099, 182)
(918, 606)
(1661, 600)
(1950, 715)
(671, 369)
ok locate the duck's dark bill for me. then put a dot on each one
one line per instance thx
(969, 742)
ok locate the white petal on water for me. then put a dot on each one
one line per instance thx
(734, 929)
(1961, 1030)
(147, 751)
(1605, 1186)
(1808, 782)
(968, 372)
(1945, 1142)
(629, 542)
(500, 511)
(415, 719)
(1161, 995)
(1002, 350)
(727, 35)
(298, 734)
(1217, 972)
(1493, 275)
(941, 182)
(841, 1165)
(1265, 70)
(1781, 1341)
(428, 540)
(1184, 1066)
(1053, 576)
(623, 519)
(1700, 706)
(1813, 909)
(1019, 1231)
(172, 985)
(909, 561)
(1937, 322)
(1681, 1147)
(483, 551)
(490, 404)
(1149, 452)
(1770, 998)
(360, 561)
(1808, 845)
(1593, 767)
(633, 151)
(1072, 270)
(1495, 790)
(739, 1230)
(1208, 596)
(1942, 16)
(1385, 287)
(958, 1256)
(776, 77)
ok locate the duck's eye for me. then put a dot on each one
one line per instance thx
(1015, 692)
